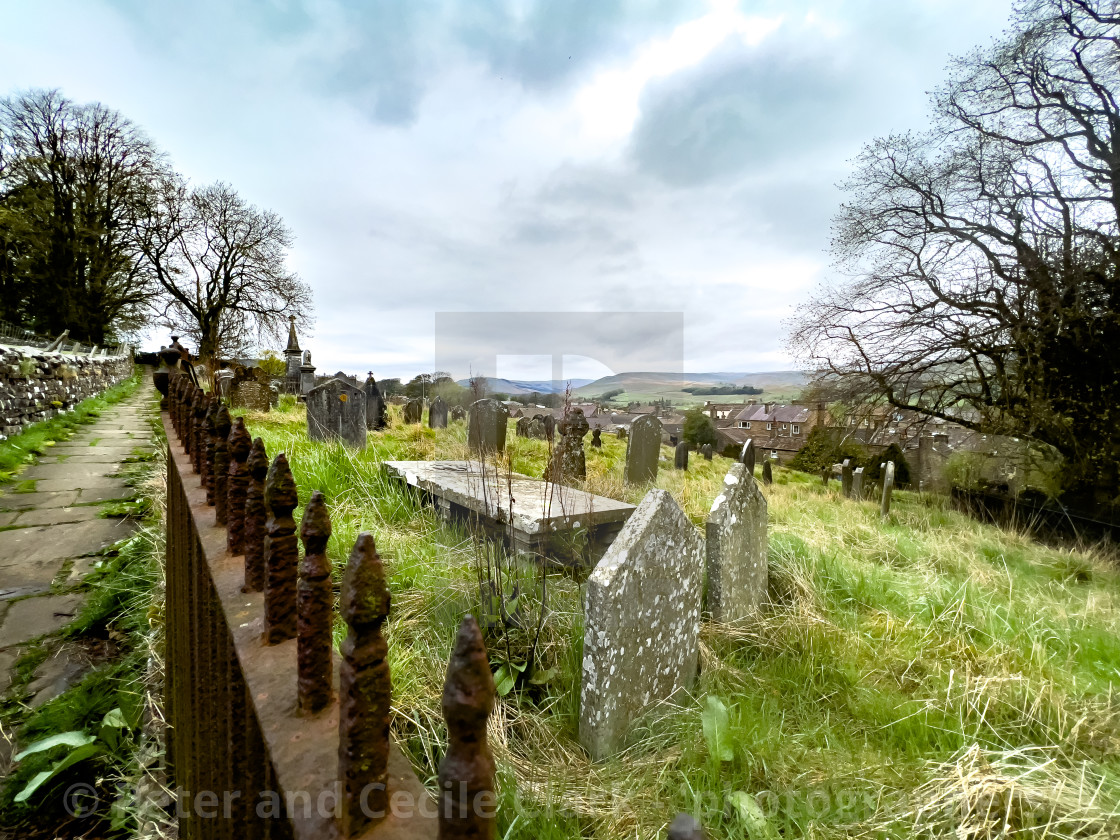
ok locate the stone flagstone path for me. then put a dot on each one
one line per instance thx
(52, 534)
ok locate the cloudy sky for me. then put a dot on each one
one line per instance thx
(504, 155)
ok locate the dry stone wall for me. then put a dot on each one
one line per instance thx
(36, 385)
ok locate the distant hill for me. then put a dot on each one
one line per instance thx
(782, 381)
(519, 386)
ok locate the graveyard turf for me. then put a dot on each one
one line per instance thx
(915, 677)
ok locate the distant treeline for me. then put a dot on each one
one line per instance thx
(721, 390)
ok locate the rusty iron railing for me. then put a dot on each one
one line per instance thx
(271, 735)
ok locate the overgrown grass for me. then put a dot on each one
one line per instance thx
(20, 450)
(926, 675)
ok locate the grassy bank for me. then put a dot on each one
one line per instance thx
(926, 675)
(20, 450)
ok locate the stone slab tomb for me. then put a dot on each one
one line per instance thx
(641, 637)
(737, 548)
(541, 519)
(337, 410)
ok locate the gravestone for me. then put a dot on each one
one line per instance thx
(846, 478)
(643, 449)
(486, 429)
(414, 410)
(857, 484)
(767, 472)
(597, 438)
(747, 455)
(522, 427)
(274, 394)
(736, 548)
(535, 428)
(252, 396)
(568, 462)
(549, 426)
(826, 474)
(621, 433)
(707, 451)
(223, 379)
(680, 456)
(337, 409)
(641, 636)
(377, 417)
(888, 489)
(437, 414)
(458, 413)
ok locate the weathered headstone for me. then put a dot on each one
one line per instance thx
(414, 410)
(486, 432)
(568, 462)
(458, 413)
(747, 455)
(437, 414)
(641, 636)
(621, 433)
(857, 484)
(643, 449)
(707, 451)
(376, 414)
(888, 489)
(597, 438)
(549, 426)
(535, 428)
(846, 478)
(337, 409)
(251, 395)
(826, 474)
(767, 472)
(680, 456)
(522, 427)
(737, 548)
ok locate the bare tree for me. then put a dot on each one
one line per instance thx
(220, 265)
(984, 272)
(70, 177)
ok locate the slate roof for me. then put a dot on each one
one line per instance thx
(777, 414)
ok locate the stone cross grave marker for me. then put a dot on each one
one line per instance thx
(437, 414)
(680, 456)
(414, 410)
(846, 478)
(747, 456)
(737, 548)
(888, 488)
(643, 449)
(641, 636)
(486, 429)
(337, 409)
(376, 414)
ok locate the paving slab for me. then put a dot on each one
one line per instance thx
(23, 546)
(7, 660)
(64, 668)
(76, 473)
(92, 483)
(54, 516)
(34, 617)
(40, 586)
(97, 495)
(27, 501)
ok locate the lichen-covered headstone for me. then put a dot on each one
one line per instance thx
(569, 462)
(337, 410)
(888, 488)
(641, 636)
(414, 410)
(251, 395)
(680, 456)
(846, 478)
(486, 432)
(522, 427)
(458, 413)
(643, 449)
(857, 484)
(736, 547)
(376, 414)
(437, 414)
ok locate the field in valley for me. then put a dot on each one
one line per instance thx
(926, 675)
